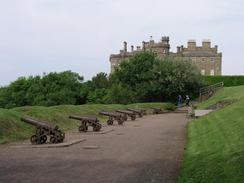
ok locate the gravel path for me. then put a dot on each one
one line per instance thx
(149, 149)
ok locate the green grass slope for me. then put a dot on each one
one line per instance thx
(12, 129)
(228, 93)
(215, 149)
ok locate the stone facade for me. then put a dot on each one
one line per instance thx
(206, 58)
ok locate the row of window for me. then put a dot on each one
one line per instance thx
(203, 60)
(211, 72)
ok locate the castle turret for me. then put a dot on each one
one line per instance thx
(191, 45)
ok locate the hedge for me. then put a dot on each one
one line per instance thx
(228, 80)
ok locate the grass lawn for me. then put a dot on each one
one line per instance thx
(12, 129)
(215, 149)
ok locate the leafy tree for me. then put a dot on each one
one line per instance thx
(119, 94)
(153, 79)
(50, 89)
(97, 96)
(100, 81)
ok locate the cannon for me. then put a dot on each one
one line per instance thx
(127, 113)
(43, 130)
(139, 112)
(144, 111)
(156, 110)
(113, 116)
(87, 121)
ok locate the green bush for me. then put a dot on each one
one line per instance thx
(228, 80)
(170, 106)
(151, 79)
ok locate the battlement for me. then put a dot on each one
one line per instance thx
(207, 58)
(161, 46)
(192, 49)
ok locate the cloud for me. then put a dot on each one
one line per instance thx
(56, 35)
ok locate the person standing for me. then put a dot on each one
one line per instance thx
(179, 101)
(187, 101)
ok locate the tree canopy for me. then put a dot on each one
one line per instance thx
(141, 78)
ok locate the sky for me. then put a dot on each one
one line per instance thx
(38, 36)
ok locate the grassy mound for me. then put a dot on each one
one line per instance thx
(215, 149)
(12, 129)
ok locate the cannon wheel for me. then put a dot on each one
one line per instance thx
(125, 118)
(53, 139)
(83, 128)
(33, 139)
(43, 139)
(110, 122)
(120, 121)
(140, 115)
(133, 118)
(62, 135)
(97, 127)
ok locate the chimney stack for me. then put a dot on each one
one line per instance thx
(206, 43)
(178, 49)
(125, 46)
(216, 48)
(143, 45)
(191, 45)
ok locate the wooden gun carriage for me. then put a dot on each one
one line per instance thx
(113, 116)
(87, 121)
(157, 110)
(127, 113)
(139, 112)
(44, 129)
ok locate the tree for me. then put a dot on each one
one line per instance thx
(119, 94)
(152, 79)
(100, 81)
(50, 89)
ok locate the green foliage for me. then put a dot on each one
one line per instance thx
(228, 80)
(120, 95)
(141, 78)
(170, 107)
(100, 81)
(98, 96)
(215, 147)
(151, 79)
(51, 89)
(176, 76)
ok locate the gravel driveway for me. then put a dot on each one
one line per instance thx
(149, 149)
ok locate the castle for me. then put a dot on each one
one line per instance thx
(207, 58)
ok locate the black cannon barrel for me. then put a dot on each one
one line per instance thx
(36, 122)
(88, 118)
(135, 110)
(124, 111)
(109, 114)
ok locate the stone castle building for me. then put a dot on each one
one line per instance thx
(207, 58)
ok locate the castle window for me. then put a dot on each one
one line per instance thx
(203, 59)
(212, 72)
(212, 59)
(203, 71)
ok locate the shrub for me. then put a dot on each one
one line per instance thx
(228, 80)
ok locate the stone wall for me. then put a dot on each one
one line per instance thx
(206, 58)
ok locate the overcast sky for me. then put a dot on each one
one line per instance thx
(39, 36)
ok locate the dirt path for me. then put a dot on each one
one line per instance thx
(146, 150)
